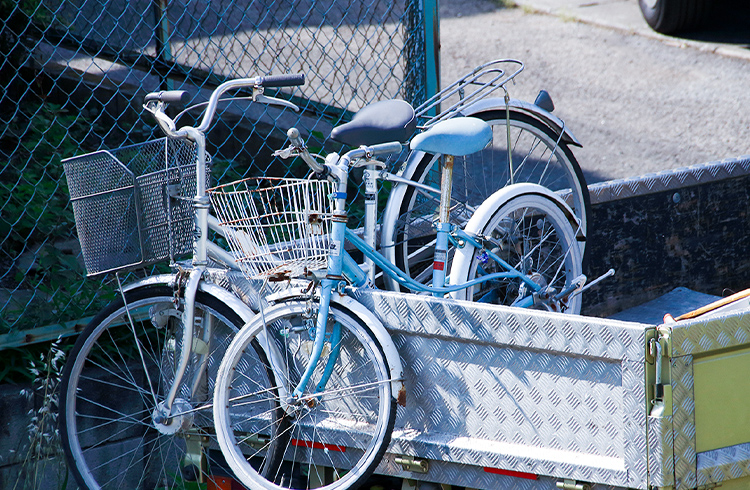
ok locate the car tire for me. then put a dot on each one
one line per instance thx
(671, 16)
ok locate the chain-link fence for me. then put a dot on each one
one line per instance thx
(74, 73)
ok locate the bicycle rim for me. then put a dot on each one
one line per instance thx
(532, 234)
(537, 157)
(119, 372)
(334, 436)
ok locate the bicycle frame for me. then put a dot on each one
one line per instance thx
(201, 203)
(340, 264)
(343, 269)
(446, 231)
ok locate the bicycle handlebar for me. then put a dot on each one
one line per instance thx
(168, 97)
(290, 80)
(374, 150)
(296, 140)
(386, 148)
(179, 96)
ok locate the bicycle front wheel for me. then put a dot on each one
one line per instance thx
(537, 157)
(532, 234)
(331, 437)
(116, 377)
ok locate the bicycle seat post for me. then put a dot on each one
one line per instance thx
(443, 224)
(459, 136)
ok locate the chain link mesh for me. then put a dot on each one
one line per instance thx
(74, 73)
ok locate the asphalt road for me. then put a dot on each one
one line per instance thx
(638, 101)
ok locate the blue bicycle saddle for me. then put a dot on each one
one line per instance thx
(381, 122)
(458, 137)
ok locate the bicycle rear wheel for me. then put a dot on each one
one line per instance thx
(120, 371)
(531, 233)
(537, 158)
(333, 436)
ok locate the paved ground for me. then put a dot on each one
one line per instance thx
(640, 102)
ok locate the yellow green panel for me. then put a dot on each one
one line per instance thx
(738, 484)
(722, 400)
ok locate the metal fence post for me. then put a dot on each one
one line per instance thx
(163, 48)
(432, 46)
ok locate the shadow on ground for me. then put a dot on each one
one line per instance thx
(729, 24)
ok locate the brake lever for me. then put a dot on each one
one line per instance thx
(274, 101)
(286, 153)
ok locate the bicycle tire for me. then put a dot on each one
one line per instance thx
(411, 234)
(531, 233)
(670, 16)
(116, 375)
(334, 438)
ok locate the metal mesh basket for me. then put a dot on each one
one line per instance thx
(276, 227)
(127, 204)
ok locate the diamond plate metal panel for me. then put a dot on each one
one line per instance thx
(472, 476)
(634, 423)
(660, 451)
(532, 392)
(669, 179)
(724, 464)
(513, 327)
(692, 337)
(683, 413)
(524, 391)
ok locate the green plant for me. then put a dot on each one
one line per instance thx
(44, 448)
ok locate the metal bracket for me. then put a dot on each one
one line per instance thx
(196, 445)
(409, 463)
(572, 485)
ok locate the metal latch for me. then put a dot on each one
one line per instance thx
(415, 465)
(573, 485)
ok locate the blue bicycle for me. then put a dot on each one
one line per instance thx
(306, 394)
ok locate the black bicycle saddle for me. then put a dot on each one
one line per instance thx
(381, 122)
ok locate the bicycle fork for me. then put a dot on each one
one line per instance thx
(163, 412)
(333, 278)
(201, 206)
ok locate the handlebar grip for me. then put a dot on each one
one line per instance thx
(282, 80)
(294, 137)
(386, 148)
(169, 96)
(296, 140)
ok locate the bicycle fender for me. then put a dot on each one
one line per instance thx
(488, 207)
(485, 211)
(398, 389)
(226, 297)
(547, 118)
(348, 305)
(160, 279)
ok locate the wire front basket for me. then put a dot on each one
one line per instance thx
(276, 227)
(131, 205)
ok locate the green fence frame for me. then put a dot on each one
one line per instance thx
(74, 73)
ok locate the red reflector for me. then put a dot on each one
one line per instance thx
(438, 266)
(318, 445)
(516, 474)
